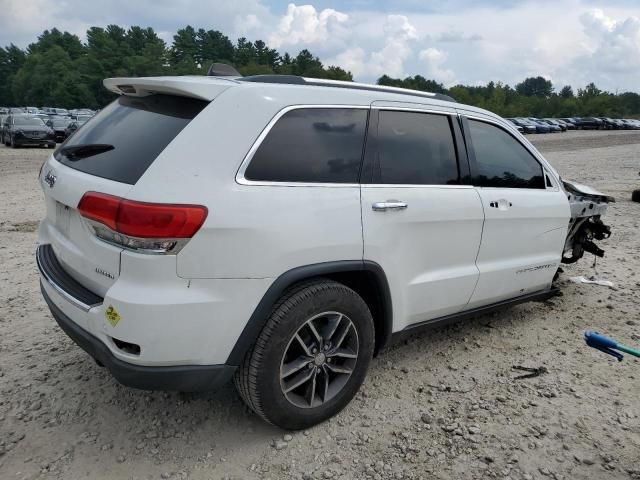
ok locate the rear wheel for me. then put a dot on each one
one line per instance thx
(310, 358)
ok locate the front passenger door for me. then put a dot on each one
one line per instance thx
(525, 219)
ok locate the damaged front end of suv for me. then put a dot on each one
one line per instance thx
(586, 226)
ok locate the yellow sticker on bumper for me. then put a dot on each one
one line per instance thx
(112, 316)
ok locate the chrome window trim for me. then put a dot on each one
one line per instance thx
(240, 174)
(240, 178)
(414, 185)
(536, 155)
(413, 109)
(67, 296)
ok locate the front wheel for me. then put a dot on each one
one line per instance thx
(311, 356)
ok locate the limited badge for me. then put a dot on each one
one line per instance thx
(112, 316)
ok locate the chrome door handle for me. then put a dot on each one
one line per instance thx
(388, 205)
(501, 204)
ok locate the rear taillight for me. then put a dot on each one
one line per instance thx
(152, 227)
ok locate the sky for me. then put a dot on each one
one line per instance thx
(570, 42)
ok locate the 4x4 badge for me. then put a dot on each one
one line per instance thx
(50, 179)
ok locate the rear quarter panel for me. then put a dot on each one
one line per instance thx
(251, 231)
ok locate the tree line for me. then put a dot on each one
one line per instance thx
(60, 70)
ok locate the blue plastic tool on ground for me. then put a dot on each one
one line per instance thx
(608, 345)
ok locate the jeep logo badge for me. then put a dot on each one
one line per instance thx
(50, 179)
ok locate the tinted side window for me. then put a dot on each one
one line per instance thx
(312, 145)
(415, 148)
(501, 161)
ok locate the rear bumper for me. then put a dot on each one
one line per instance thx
(185, 378)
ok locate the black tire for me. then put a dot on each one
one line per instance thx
(12, 142)
(258, 377)
(635, 196)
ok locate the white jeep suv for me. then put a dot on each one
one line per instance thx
(279, 229)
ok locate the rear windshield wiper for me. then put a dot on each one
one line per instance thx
(76, 152)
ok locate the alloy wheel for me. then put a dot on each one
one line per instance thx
(319, 359)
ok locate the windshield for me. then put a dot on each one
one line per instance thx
(27, 121)
(60, 122)
(82, 120)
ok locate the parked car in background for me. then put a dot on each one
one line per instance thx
(4, 110)
(540, 127)
(589, 123)
(569, 125)
(81, 111)
(527, 127)
(55, 111)
(631, 124)
(552, 128)
(553, 123)
(518, 127)
(59, 125)
(607, 123)
(3, 118)
(75, 124)
(17, 110)
(23, 130)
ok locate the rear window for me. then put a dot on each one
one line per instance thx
(312, 145)
(135, 130)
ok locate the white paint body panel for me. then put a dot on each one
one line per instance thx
(427, 251)
(522, 242)
(190, 308)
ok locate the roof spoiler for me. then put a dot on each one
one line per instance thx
(185, 86)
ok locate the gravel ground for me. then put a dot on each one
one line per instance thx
(441, 404)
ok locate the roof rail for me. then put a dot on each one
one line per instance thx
(321, 82)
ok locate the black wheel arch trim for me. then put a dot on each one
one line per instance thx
(264, 308)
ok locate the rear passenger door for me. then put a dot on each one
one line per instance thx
(526, 214)
(420, 222)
